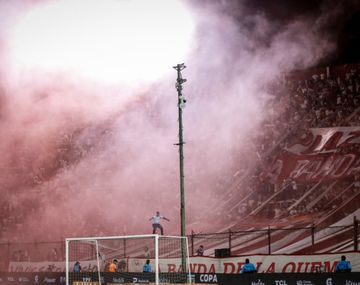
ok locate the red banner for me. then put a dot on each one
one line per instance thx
(320, 154)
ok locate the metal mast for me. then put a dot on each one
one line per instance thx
(181, 106)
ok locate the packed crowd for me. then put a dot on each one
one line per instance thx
(327, 98)
(313, 99)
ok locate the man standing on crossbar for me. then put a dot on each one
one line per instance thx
(156, 222)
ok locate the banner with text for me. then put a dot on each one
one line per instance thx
(320, 154)
(264, 264)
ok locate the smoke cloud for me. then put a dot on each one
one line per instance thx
(82, 157)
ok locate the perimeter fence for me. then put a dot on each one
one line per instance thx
(301, 240)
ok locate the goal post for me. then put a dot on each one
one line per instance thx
(121, 259)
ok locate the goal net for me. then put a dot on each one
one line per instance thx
(127, 259)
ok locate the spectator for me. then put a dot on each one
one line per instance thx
(121, 266)
(147, 252)
(248, 267)
(77, 267)
(200, 251)
(107, 266)
(343, 265)
(147, 266)
(156, 222)
(113, 266)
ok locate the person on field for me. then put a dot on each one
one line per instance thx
(248, 267)
(343, 265)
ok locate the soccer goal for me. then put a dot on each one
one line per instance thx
(121, 259)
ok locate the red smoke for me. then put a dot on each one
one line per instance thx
(82, 157)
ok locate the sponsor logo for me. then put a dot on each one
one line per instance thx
(23, 279)
(62, 279)
(163, 280)
(86, 279)
(280, 282)
(118, 280)
(11, 279)
(329, 281)
(349, 282)
(259, 282)
(36, 279)
(49, 280)
(208, 278)
(140, 280)
(304, 282)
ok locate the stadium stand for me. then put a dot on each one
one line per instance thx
(294, 212)
(324, 98)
